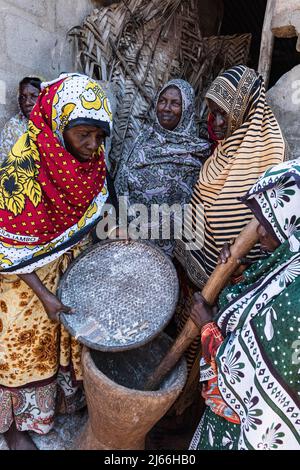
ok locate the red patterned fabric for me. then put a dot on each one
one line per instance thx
(63, 186)
(211, 339)
(211, 133)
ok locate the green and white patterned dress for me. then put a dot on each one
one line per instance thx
(259, 361)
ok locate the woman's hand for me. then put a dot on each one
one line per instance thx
(225, 254)
(201, 311)
(54, 307)
(51, 303)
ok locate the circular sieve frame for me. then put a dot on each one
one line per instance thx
(125, 347)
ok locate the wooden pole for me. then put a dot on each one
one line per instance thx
(267, 43)
(217, 281)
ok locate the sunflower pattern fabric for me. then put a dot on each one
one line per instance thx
(40, 366)
(254, 143)
(50, 197)
(258, 364)
(48, 200)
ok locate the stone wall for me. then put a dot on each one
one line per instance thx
(286, 18)
(284, 99)
(33, 41)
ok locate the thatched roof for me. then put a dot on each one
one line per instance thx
(138, 45)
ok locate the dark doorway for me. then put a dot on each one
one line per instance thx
(285, 57)
(244, 16)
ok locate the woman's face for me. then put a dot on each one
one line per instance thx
(27, 98)
(169, 108)
(219, 119)
(83, 141)
(267, 241)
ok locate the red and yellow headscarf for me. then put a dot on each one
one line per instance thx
(49, 200)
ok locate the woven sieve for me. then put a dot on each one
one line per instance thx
(123, 293)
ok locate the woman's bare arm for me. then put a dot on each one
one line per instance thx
(51, 303)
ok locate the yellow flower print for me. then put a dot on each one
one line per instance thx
(20, 158)
(47, 248)
(9, 185)
(20, 154)
(14, 186)
(5, 260)
(64, 117)
(19, 173)
(107, 108)
(91, 97)
(2, 202)
(92, 209)
(54, 112)
(32, 189)
(12, 190)
(33, 131)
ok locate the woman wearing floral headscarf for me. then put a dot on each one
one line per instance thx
(52, 189)
(165, 161)
(250, 354)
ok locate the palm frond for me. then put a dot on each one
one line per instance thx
(138, 45)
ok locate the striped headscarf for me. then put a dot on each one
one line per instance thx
(254, 143)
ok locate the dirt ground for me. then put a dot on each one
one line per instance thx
(63, 436)
(168, 434)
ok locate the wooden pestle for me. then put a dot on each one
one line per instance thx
(217, 281)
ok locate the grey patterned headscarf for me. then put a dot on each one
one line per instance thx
(163, 165)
